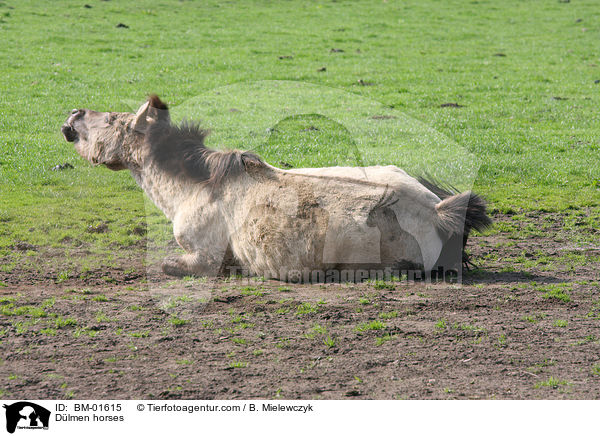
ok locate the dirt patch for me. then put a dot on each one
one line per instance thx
(525, 325)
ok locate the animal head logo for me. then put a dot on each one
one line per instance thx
(26, 415)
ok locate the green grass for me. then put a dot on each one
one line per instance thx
(383, 285)
(558, 292)
(61, 322)
(100, 298)
(316, 330)
(250, 290)
(176, 321)
(441, 324)
(383, 339)
(551, 383)
(388, 315)
(371, 325)
(85, 331)
(306, 308)
(330, 342)
(529, 117)
(31, 311)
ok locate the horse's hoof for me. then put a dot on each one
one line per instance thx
(172, 267)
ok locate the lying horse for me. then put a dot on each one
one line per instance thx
(231, 208)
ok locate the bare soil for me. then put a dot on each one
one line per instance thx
(517, 328)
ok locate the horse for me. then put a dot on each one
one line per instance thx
(231, 209)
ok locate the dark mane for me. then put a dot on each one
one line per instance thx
(181, 153)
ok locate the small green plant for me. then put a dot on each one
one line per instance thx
(100, 298)
(49, 331)
(381, 285)
(48, 302)
(538, 367)
(388, 315)
(596, 369)
(372, 325)
(238, 364)
(183, 362)
(250, 290)
(257, 352)
(207, 324)
(317, 329)
(84, 331)
(238, 319)
(441, 324)
(558, 292)
(143, 334)
(184, 298)
(63, 276)
(238, 340)
(21, 327)
(383, 339)
(32, 311)
(502, 340)
(61, 322)
(534, 318)
(101, 317)
(306, 308)
(586, 340)
(561, 323)
(329, 341)
(364, 300)
(551, 382)
(176, 321)
(283, 343)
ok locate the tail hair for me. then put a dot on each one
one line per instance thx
(458, 212)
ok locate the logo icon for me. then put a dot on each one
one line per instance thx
(26, 415)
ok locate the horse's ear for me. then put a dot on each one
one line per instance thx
(151, 111)
(158, 110)
(157, 103)
(140, 122)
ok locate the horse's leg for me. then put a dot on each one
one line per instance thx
(205, 250)
(193, 264)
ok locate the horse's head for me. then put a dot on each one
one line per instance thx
(112, 138)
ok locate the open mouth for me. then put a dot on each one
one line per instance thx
(69, 133)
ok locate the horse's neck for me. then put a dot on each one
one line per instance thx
(167, 193)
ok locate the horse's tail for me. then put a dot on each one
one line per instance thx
(458, 212)
(461, 213)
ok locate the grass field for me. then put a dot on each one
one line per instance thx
(513, 85)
